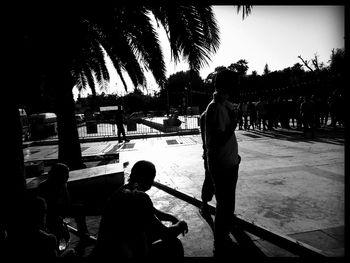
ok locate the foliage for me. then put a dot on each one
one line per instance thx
(80, 38)
(241, 67)
(184, 89)
(290, 81)
(266, 69)
(337, 61)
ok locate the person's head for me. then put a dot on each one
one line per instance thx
(143, 173)
(59, 173)
(226, 82)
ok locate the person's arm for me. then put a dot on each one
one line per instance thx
(162, 216)
(178, 226)
(169, 232)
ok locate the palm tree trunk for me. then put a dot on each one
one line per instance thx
(13, 182)
(69, 151)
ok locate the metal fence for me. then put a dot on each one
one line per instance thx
(145, 126)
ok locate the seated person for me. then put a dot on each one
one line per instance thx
(132, 227)
(39, 243)
(54, 191)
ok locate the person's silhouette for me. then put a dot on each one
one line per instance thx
(132, 227)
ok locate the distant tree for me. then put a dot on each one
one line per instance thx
(135, 101)
(182, 84)
(297, 67)
(315, 63)
(266, 69)
(337, 61)
(241, 67)
(210, 78)
(220, 68)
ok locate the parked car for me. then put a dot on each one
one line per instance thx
(43, 125)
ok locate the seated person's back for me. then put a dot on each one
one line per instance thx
(40, 244)
(123, 228)
(54, 191)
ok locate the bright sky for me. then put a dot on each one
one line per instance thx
(273, 35)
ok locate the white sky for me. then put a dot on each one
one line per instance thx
(273, 35)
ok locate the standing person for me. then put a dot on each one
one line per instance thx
(307, 112)
(245, 114)
(294, 111)
(120, 119)
(240, 115)
(261, 114)
(131, 227)
(252, 115)
(208, 186)
(299, 117)
(270, 113)
(324, 111)
(223, 158)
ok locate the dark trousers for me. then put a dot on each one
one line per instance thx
(225, 181)
(121, 131)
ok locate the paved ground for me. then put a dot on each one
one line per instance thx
(288, 184)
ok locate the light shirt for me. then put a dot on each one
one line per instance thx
(218, 119)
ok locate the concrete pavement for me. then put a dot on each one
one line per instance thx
(288, 184)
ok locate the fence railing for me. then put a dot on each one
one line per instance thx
(144, 126)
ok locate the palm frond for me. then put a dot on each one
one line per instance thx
(90, 79)
(122, 78)
(246, 10)
(192, 32)
(210, 28)
(126, 34)
(145, 43)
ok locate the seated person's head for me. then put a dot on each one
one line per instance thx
(59, 173)
(143, 173)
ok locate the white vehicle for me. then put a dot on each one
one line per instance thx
(43, 125)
